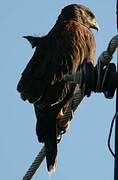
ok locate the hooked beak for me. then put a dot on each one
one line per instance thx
(95, 26)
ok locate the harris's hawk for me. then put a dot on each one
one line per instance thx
(61, 51)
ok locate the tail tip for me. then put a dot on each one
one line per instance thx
(52, 168)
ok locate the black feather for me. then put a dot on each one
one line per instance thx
(34, 41)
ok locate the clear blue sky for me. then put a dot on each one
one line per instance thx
(83, 152)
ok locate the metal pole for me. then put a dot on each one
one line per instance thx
(116, 122)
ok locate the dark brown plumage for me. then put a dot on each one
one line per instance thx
(61, 51)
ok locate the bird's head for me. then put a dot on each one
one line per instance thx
(79, 13)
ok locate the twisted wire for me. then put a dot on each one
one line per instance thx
(104, 60)
(35, 165)
(106, 56)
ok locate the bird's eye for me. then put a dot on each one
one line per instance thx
(90, 14)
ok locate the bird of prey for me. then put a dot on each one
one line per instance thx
(61, 51)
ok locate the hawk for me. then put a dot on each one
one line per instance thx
(61, 51)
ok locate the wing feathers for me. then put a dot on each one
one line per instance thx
(34, 41)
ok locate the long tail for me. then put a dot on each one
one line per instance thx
(46, 129)
(51, 145)
(46, 132)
